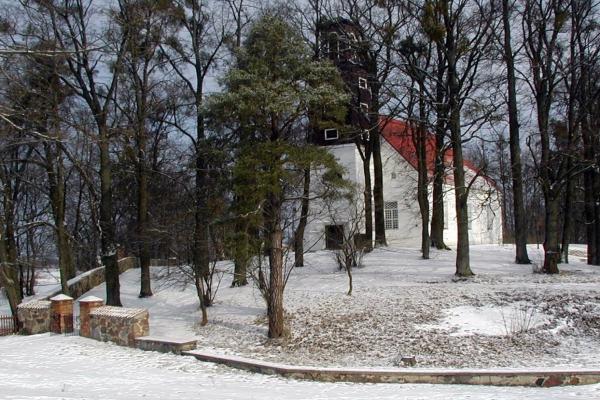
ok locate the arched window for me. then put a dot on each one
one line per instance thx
(333, 44)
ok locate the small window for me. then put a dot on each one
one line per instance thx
(394, 176)
(333, 44)
(362, 83)
(445, 214)
(364, 107)
(470, 216)
(344, 45)
(490, 219)
(352, 37)
(331, 134)
(366, 136)
(391, 214)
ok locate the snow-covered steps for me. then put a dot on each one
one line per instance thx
(164, 345)
(500, 377)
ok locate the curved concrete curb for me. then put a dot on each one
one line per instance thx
(540, 378)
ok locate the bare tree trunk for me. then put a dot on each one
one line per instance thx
(240, 273)
(375, 146)
(461, 193)
(349, 273)
(551, 196)
(9, 274)
(423, 194)
(422, 180)
(107, 226)
(437, 214)
(567, 220)
(201, 293)
(585, 116)
(542, 24)
(380, 239)
(275, 300)
(142, 216)
(596, 213)
(201, 238)
(551, 241)
(590, 221)
(56, 186)
(520, 221)
(368, 196)
(590, 176)
(299, 234)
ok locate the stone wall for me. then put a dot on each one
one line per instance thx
(90, 279)
(164, 262)
(119, 325)
(35, 317)
(128, 263)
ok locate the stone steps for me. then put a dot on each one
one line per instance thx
(164, 345)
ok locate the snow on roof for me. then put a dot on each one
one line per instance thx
(399, 135)
(36, 304)
(90, 299)
(61, 297)
(118, 312)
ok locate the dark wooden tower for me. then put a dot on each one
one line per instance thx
(342, 41)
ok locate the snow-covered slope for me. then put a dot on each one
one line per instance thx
(401, 306)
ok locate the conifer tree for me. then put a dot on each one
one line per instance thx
(271, 94)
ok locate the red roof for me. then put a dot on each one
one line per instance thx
(399, 135)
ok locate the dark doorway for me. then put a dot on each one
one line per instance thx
(334, 237)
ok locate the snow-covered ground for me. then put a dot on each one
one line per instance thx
(55, 367)
(505, 316)
(401, 305)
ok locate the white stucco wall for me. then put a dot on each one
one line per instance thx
(337, 213)
(399, 185)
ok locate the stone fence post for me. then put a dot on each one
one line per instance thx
(86, 305)
(61, 314)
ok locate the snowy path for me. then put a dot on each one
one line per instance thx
(52, 367)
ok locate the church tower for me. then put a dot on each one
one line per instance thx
(342, 41)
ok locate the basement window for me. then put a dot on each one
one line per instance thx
(391, 214)
(331, 134)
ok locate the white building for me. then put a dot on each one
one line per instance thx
(402, 216)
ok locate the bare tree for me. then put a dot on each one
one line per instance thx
(345, 210)
(543, 21)
(74, 27)
(462, 31)
(520, 229)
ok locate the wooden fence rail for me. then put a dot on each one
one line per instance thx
(8, 325)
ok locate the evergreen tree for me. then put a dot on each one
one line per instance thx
(273, 93)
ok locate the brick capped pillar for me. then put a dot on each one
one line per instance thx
(61, 314)
(86, 305)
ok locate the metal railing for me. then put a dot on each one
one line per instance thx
(8, 325)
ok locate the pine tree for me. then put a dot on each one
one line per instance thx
(271, 94)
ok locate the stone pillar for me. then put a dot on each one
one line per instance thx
(61, 314)
(86, 305)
